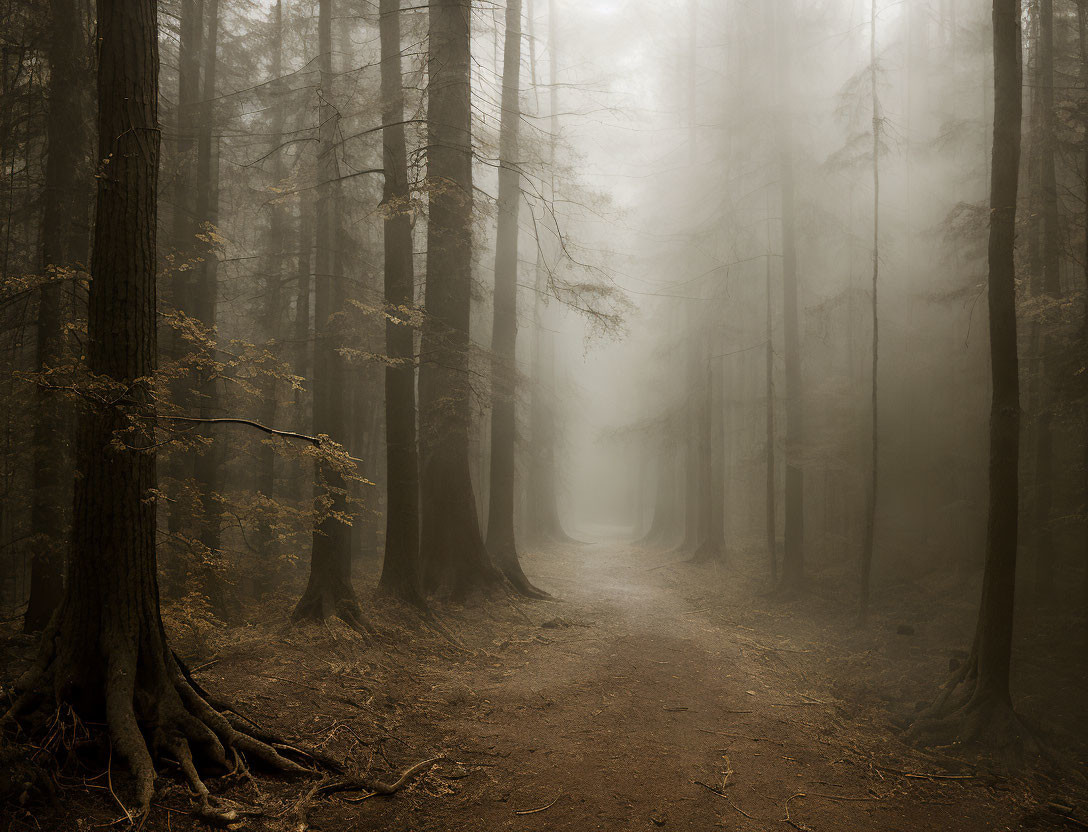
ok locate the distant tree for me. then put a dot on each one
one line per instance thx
(501, 542)
(105, 653)
(793, 558)
(874, 470)
(329, 591)
(64, 247)
(400, 569)
(542, 489)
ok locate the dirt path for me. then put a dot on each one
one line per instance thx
(609, 708)
(636, 689)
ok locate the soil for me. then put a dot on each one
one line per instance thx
(652, 694)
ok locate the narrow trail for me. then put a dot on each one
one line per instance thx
(654, 694)
(637, 688)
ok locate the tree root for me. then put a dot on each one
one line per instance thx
(152, 712)
(350, 783)
(510, 566)
(319, 606)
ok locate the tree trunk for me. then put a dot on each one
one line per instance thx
(1046, 284)
(870, 513)
(770, 496)
(63, 245)
(273, 312)
(207, 464)
(329, 591)
(400, 566)
(180, 288)
(711, 481)
(452, 548)
(501, 543)
(976, 706)
(105, 652)
(543, 488)
(793, 563)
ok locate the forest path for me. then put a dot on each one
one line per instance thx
(643, 680)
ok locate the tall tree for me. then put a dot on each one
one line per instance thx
(105, 651)
(771, 491)
(501, 542)
(793, 558)
(329, 591)
(64, 245)
(870, 512)
(1045, 283)
(976, 705)
(184, 254)
(543, 494)
(204, 305)
(712, 472)
(274, 272)
(400, 567)
(452, 548)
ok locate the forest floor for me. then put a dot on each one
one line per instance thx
(654, 694)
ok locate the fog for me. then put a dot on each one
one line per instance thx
(671, 410)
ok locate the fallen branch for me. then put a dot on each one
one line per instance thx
(724, 797)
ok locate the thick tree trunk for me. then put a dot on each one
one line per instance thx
(976, 706)
(501, 543)
(400, 567)
(63, 245)
(329, 591)
(105, 652)
(452, 548)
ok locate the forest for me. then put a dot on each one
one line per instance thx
(543, 415)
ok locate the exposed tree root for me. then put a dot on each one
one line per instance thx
(319, 604)
(349, 783)
(976, 718)
(509, 564)
(152, 713)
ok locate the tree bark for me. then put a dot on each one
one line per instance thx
(400, 566)
(452, 548)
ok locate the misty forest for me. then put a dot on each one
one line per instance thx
(543, 415)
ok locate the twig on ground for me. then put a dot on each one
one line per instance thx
(724, 797)
(796, 824)
(541, 809)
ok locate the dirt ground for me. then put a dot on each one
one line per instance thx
(653, 694)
